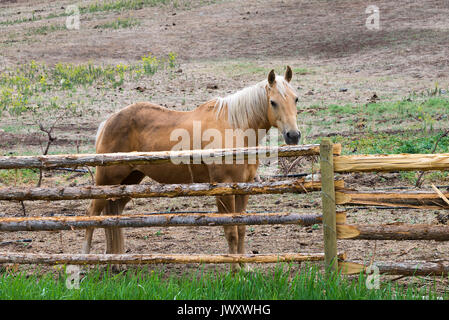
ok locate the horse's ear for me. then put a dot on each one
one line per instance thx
(271, 78)
(288, 74)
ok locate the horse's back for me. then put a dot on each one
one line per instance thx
(128, 129)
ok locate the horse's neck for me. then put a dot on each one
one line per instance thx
(208, 114)
(260, 130)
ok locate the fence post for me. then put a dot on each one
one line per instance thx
(328, 203)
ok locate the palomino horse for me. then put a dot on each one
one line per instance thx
(147, 127)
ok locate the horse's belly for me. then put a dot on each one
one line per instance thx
(170, 173)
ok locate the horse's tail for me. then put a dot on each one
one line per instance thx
(100, 129)
(96, 205)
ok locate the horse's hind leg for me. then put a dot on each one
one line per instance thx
(109, 176)
(95, 209)
(115, 241)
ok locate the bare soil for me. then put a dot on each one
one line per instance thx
(231, 44)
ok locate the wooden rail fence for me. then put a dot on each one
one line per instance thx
(333, 193)
(396, 231)
(300, 185)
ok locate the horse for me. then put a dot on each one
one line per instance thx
(145, 127)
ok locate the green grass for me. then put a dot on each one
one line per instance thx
(18, 177)
(302, 71)
(99, 6)
(279, 283)
(240, 68)
(119, 24)
(243, 68)
(21, 20)
(43, 30)
(422, 109)
(384, 143)
(121, 5)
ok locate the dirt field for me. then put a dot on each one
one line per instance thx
(223, 46)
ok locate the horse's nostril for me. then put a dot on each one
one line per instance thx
(292, 137)
(293, 134)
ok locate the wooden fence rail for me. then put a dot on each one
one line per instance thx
(159, 220)
(407, 268)
(391, 162)
(411, 199)
(396, 231)
(189, 156)
(162, 190)
(81, 259)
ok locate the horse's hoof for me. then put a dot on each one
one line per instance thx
(235, 268)
(117, 268)
(86, 250)
(246, 268)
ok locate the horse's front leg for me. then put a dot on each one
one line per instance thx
(240, 206)
(226, 204)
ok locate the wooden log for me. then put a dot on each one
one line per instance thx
(395, 231)
(81, 259)
(157, 220)
(410, 199)
(328, 201)
(187, 156)
(407, 268)
(391, 162)
(161, 190)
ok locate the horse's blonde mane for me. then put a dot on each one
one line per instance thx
(248, 107)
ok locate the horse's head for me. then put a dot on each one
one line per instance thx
(282, 102)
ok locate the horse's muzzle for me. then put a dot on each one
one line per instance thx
(292, 137)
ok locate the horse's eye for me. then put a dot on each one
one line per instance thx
(296, 100)
(273, 104)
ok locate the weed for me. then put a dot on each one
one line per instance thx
(172, 60)
(150, 64)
